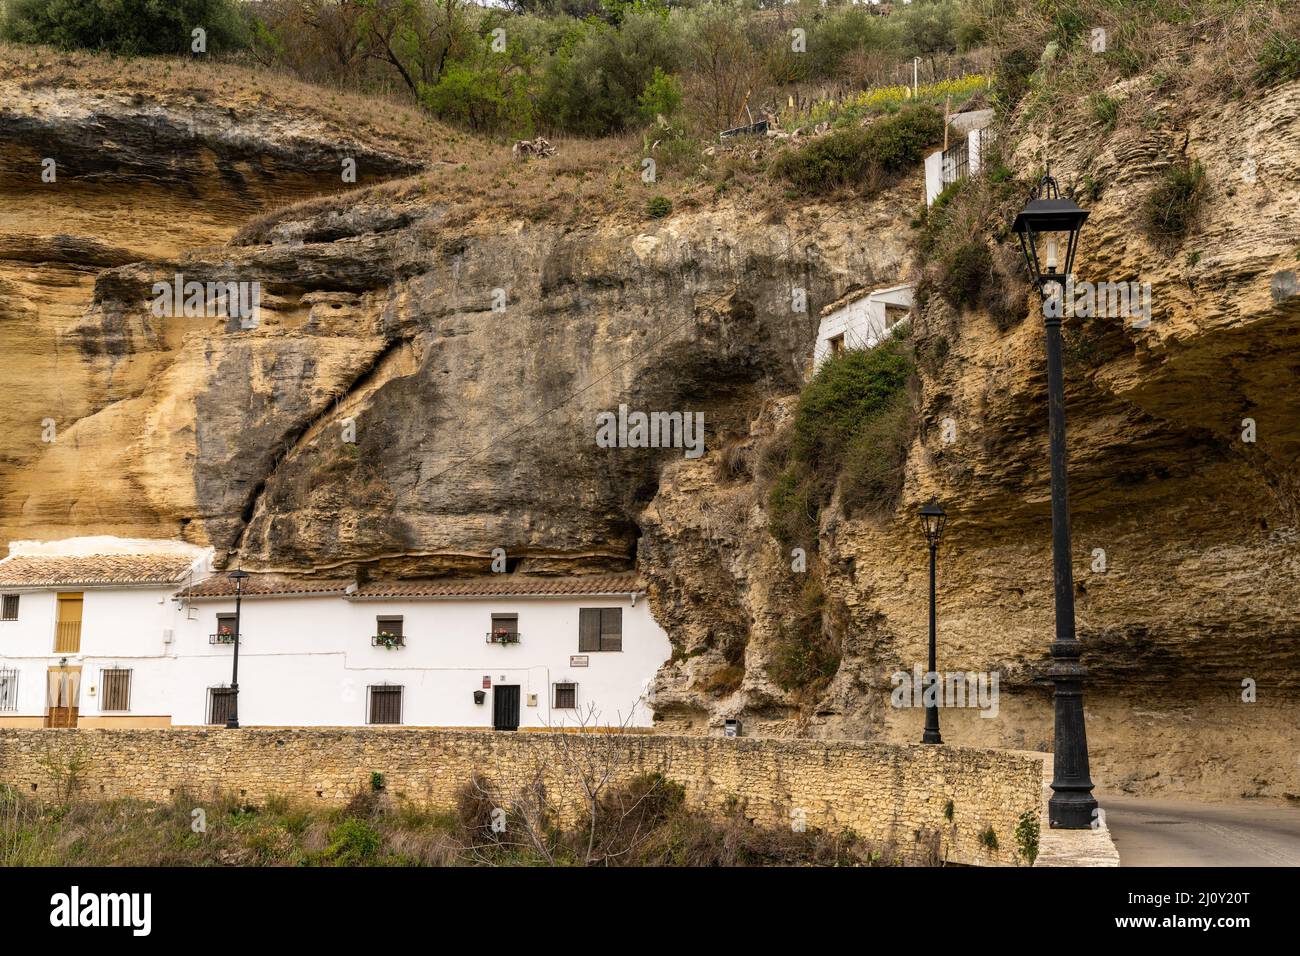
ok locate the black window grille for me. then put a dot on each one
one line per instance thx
(9, 611)
(115, 686)
(566, 696)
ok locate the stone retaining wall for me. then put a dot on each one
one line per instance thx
(886, 793)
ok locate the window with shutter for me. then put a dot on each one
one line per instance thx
(9, 611)
(225, 630)
(386, 704)
(566, 696)
(389, 625)
(588, 629)
(611, 629)
(116, 689)
(600, 629)
(221, 703)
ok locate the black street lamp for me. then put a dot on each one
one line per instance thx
(232, 722)
(932, 520)
(1049, 228)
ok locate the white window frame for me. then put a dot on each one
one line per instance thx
(555, 688)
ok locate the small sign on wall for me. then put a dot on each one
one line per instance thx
(578, 660)
(487, 683)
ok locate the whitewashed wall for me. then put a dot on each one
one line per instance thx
(307, 661)
(862, 323)
(120, 627)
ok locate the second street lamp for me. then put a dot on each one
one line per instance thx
(933, 518)
(1049, 228)
(232, 722)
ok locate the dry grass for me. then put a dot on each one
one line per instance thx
(644, 822)
(181, 81)
(588, 181)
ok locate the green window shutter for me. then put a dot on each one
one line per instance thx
(611, 629)
(589, 629)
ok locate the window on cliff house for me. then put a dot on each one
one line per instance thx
(837, 344)
(225, 628)
(8, 689)
(221, 703)
(391, 624)
(600, 629)
(566, 696)
(505, 628)
(9, 608)
(385, 704)
(115, 686)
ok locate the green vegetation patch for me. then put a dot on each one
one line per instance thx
(852, 427)
(1170, 209)
(866, 158)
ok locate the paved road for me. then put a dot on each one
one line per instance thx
(1184, 833)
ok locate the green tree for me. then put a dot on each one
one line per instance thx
(127, 27)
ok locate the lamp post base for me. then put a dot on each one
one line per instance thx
(931, 737)
(1072, 805)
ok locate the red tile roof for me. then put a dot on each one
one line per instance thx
(501, 585)
(219, 585)
(493, 585)
(34, 570)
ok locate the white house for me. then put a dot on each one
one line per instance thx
(84, 629)
(964, 154)
(860, 320)
(129, 640)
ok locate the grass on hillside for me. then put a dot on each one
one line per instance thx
(389, 121)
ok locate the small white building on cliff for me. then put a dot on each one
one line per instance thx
(116, 633)
(859, 320)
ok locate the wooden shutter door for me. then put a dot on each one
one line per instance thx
(611, 629)
(589, 629)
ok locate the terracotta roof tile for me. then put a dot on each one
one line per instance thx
(24, 570)
(494, 585)
(219, 585)
(499, 585)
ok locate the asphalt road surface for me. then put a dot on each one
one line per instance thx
(1184, 833)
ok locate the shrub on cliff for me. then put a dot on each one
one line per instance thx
(852, 427)
(1278, 60)
(866, 158)
(1171, 207)
(128, 27)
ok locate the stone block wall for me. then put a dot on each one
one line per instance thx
(890, 794)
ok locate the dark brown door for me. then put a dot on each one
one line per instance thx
(505, 707)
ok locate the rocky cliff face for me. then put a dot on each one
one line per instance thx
(423, 387)
(419, 389)
(1185, 535)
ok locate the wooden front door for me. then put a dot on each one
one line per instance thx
(63, 694)
(67, 627)
(505, 707)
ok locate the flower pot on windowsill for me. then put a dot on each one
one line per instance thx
(503, 637)
(388, 641)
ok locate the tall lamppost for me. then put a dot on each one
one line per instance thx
(932, 520)
(1049, 228)
(232, 722)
